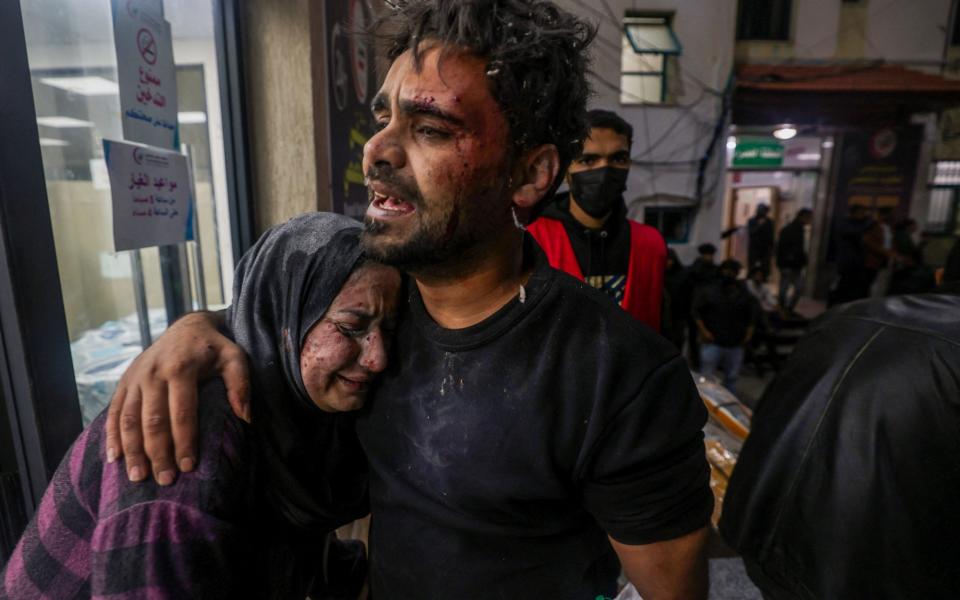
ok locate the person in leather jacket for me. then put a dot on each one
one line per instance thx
(847, 486)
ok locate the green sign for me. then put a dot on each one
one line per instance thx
(758, 152)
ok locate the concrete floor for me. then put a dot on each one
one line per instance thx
(729, 581)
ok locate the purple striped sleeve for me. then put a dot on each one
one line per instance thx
(52, 559)
(171, 549)
(96, 534)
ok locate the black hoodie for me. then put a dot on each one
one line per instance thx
(604, 253)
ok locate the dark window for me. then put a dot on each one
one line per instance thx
(673, 222)
(764, 19)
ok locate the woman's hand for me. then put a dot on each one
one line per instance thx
(152, 419)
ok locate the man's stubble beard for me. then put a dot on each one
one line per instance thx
(446, 248)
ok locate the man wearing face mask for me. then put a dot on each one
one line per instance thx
(586, 232)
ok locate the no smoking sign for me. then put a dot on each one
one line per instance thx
(147, 46)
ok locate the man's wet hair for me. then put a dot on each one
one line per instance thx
(536, 57)
(607, 119)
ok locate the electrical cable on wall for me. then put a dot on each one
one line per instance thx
(702, 158)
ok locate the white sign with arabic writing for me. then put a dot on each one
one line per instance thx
(146, 74)
(150, 187)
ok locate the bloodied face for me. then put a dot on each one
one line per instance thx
(438, 168)
(347, 348)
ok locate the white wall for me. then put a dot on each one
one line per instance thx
(906, 29)
(815, 27)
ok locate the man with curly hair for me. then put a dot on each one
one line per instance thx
(530, 438)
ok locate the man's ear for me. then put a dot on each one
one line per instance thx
(536, 172)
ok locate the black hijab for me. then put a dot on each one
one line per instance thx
(309, 466)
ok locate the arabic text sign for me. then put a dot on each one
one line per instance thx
(146, 74)
(152, 205)
(759, 152)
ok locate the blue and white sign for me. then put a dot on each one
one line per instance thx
(152, 201)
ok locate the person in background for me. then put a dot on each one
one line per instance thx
(760, 239)
(254, 520)
(854, 278)
(587, 234)
(768, 321)
(847, 485)
(906, 240)
(703, 270)
(757, 286)
(679, 300)
(703, 273)
(726, 316)
(911, 274)
(792, 260)
(880, 256)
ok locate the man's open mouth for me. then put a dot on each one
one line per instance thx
(388, 205)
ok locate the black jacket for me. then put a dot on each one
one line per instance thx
(759, 240)
(791, 253)
(847, 486)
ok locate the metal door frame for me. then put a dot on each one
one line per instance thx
(36, 370)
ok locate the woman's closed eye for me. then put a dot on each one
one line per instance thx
(351, 329)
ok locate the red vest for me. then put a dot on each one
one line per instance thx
(643, 294)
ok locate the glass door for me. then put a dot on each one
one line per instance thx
(72, 60)
(68, 311)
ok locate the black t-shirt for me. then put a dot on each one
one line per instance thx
(727, 311)
(703, 273)
(500, 454)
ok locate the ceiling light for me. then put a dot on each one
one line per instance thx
(192, 117)
(731, 142)
(53, 142)
(827, 144)
(84, 85)
(808, 156)
(62, 122)
(785, 132)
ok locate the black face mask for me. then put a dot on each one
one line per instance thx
(598, 191)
